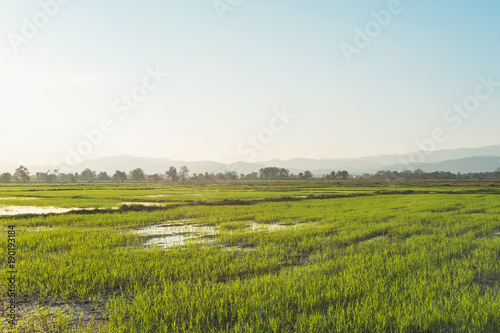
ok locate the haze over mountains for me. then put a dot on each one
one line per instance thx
(462, 160)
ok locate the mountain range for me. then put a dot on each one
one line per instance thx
(462, 160)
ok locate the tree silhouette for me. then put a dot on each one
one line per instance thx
(22, 174)
(119, 176)
(88, 175)
(137, 175)
(172, 174)
(5, 177)
(154, 178)
(184, 172)
(103, 176)
(308, 174)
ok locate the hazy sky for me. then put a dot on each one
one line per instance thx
(69, 68)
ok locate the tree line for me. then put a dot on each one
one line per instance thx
(174, 174)
(435, 175)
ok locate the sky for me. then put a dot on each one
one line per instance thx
(245, 80)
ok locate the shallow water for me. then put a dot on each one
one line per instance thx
(19, 198)
(19, 210)
(169, 195)
(271, 226)
(176, 233)
(143, 203)
(169, 235)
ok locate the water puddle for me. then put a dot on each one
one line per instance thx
(176, 233)
(20, 210)
(169, 195)
(19, 198)
(143, 203)
(493, 236)
(169, 235)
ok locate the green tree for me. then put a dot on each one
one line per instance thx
(419, 174)
(343, 175)
(184, 173)
(22, 175)
(52, 177)
(496, 173)
(137, 175)
(41, 177)
(5, 177)
(252, 176)
(103, 176)
(274, 173)
(172, 174)
(88, 175)
(154, 178)
(119, 176)
(230, 175)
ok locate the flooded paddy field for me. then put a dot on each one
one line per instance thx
(178, 233)
(22, 210)
(254, 257)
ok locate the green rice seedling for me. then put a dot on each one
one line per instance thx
(319, 258)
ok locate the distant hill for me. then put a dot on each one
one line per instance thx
(389, 162)
(454, 160)
(150, 165)
(463, 165)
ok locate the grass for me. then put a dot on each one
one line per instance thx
(359, 258)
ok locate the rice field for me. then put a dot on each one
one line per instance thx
(254, 257)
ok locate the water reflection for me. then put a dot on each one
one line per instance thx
(169, 235)
(176, 233)
(19, 210)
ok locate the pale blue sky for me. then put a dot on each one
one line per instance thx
(227, 77)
